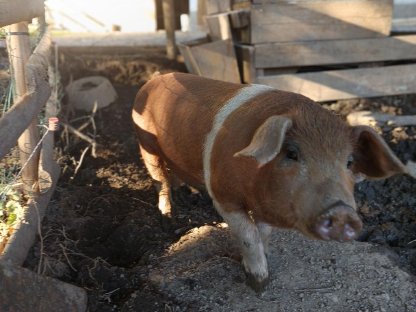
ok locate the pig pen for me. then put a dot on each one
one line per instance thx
(102, 230)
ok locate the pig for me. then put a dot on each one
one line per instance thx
(266, 157)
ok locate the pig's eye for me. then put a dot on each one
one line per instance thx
(292, 154)
(350, 161)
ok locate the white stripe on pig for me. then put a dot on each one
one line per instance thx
(244, 96)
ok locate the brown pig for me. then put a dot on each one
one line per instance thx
(266, 157)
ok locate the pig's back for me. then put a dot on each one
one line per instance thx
(174, 114)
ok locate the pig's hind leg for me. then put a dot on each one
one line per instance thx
(157, 170)
(250, 240)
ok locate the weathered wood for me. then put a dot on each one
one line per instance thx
(404, 9)
(375, 118)
(24, 111)
(404, 25)
(215, 60)
(24, 234)
(15, 11)
(169, 21)
(186, 50)
(240, 18)
(19, 52)
(180, 7)
(344, 84)
(201, 12)
(246, 56)
(335, 51)
(219, 26)
(23, 290)
(217, 6)
(320, 20)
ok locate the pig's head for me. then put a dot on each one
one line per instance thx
(308, 161)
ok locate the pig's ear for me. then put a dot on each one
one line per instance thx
(372, 156)
(267, 140)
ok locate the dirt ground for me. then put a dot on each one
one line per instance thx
(102, 231)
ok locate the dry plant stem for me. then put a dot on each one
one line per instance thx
(41, 239)
(143, 202)
(66, 257)
(83, 137)
(81, 159)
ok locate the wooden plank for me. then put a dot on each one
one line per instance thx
(185, 49)
(216, 60)
(240, 18)
(320, 20)
(245, 56)
(404, 25)
(335, 52)
(404, 9)
(345, 84)
(217, 6)
(219, 26)
(15, 11)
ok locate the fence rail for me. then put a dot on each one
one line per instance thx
(15, 11)
(29, 72)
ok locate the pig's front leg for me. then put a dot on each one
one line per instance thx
(265, 231)
(251, 245)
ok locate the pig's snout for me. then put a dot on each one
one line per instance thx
(340, 223)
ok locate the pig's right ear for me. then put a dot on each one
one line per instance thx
(267, 140)
(372, 156)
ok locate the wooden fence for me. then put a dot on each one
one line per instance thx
(20, 123)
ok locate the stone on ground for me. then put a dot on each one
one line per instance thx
(24, 290)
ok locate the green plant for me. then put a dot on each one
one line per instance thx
(10, 204)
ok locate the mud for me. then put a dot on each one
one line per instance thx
(102, 231)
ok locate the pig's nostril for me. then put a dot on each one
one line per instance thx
(349, 232)
(324, 228)
(327, 223)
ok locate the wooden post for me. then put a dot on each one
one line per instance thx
(19, 52)
(169, 21)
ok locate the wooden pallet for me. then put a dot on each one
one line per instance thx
(324, 49)
(334, 69)
(306, 20)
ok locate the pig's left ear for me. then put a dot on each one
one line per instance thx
(267, 140)
(372, 156)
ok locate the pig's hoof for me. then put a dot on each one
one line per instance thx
(256, 283)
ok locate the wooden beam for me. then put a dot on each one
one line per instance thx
(320, 20)
(19, 52)
(169, 21)
(312, 53)
(15, 11)
(24, 111)
(345, 84)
